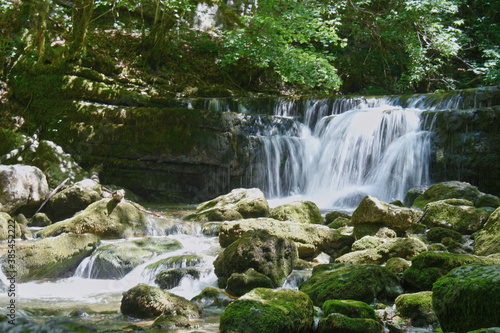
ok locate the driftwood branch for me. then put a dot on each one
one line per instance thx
(119, 195)
(51, 194)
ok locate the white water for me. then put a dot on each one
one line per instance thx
(345, 151)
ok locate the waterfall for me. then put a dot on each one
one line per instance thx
(345, 149)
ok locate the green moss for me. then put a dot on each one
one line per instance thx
(170, 278)
(336, 322)
(447, 190)
(176, 261)
(349, 308)
(438, 233)
(417, 307)
(239, 284)
(300, 211)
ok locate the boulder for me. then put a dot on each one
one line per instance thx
(340, 222)
(468, 298)
(298, 211)
(6, 223)
(311, 239)
(337, 322)
(367, 242)
(405, 248)
(106, 218)
(397, 265)
(147, 302)
(487, 240)
(455, 215)
(215, 214)
(418, 308)
(374, 212)
(249, 203)
(212, 297)
(239, 284)
(52, 257)
(269, 311)
(354, 282)
(447, 190)
(349, 308)
(412, 194)
(488, 200)
(332, 216)
(39, 220)
(268, 254)
(429, 266)
(171, 278)
(73, 199)
(437, 234)
(21, 185)
(172, 321)
(186, 260)
(114, 261)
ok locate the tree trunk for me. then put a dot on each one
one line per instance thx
(82, 13)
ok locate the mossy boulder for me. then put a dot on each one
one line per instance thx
(20, 186)
(468, 298)
(487, 240)
(349, 308)
(73, 199)
(298, 211)
(447, 190)
(215, 214)
(239, 284)
(337, 322)
(20, 230)
(52, 257)
(114, 261)
(412, 194)
(269, 310)
(355, 282)
(454, 214)
(437, 234)
(171, 278)
(39, 220)
(270, 255)
(332, 216)
(211, 228)
(249, 203)
(418, 308)
(212, 297)
(488, 200)
(397, 265)
(340, 222)
(429, 266)
(172, 321)
(147, 302)
(186, 260)
(405, 248)
(367, 242)
(106, 218)
(311, 239)
(374, 212)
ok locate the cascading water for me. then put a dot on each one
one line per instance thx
(345, 150)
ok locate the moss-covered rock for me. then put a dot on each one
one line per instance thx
(412, 194)
(270, 255)
(397, 265)
(250, 203)
(211, 228)
(488, 200)
(105, 218)
(215, 214)
(447, 190)
(355, 282)
(20, 230)
(349, 308)
(186, 260)
(437, 234)
(337, 322)
(340, 222)
(468, 298)
(429, 266)
(268, 310)
(147, 302)
(418, 308)
(311, 239)
(170, 321)
(239, 284)
(372, 211)
(39, 220)
(332, 216)
(73, 199)
(114, 261)
(367, 242)
(212, 297)
(298, 211)
(171, 278)
(51, 257)
(451, 214)
(487, 240)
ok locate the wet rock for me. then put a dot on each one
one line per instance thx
(340, 222)
(374, 212)
(418, 308)
(212, 297)
(269, 310)
(215, 214)
(437, 234)
(211, 228)
(412, 194)
(311, 239)
(6, 223)
(332, 216)
(170, 321)
(487, 240)
(52, 257)
(367, 242)
(488, 200)
(397, 265)
(147, 302)
(239, 284)
(187, 260)
(453, 214)
(298, 211)
(21, 185)
(349, 308)
(270, 255)
(106, 218)
(354, 282)
(171, 278)
(468, 298)
(39, 220)
(73, 199)
(447, 190)
(429, 266)
(249, 203)
(337, 322)
(114, 261)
